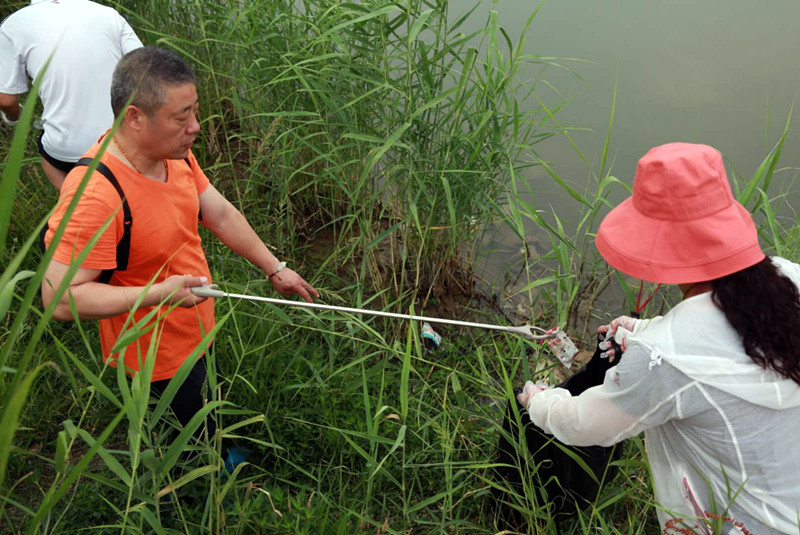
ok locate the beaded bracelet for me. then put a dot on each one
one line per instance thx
(281, 266)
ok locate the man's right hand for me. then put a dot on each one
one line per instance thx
(94, 300)
(175, 290)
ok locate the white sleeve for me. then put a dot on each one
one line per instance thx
(590, 419)
(641, 324)
(638, 393)
(787, 268)
(13, 79)
(127, 37)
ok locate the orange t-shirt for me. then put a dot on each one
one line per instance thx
(164, 242)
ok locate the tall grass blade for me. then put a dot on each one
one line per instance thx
(13, 165)
(9, 423)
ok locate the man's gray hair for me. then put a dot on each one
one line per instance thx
(145, 74)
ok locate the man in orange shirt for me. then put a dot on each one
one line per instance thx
(167, 195)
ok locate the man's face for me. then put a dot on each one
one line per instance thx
(171, 131)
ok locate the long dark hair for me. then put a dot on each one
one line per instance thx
(763, 307)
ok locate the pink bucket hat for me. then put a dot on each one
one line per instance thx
(682, 224)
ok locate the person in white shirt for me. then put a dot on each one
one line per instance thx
(714, 384)
(83, 41)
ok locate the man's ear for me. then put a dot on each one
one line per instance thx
(133, 117)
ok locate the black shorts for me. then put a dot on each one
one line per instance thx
(190, 397)
(64, 167)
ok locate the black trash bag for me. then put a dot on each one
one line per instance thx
(566, 484)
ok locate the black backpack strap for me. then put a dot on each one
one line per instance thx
(42, 234)
(124, 244)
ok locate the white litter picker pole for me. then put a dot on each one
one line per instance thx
(211, 290)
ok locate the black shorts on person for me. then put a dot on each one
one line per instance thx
(64, 167)
(189, 398)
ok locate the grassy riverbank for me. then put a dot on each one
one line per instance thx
(371, 145)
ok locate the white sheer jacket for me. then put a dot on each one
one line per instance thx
(722, 435)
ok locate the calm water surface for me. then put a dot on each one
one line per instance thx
(718, 72)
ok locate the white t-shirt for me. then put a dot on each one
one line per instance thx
(722, 434)
(86, 41)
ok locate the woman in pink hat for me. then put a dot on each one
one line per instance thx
(715, 383)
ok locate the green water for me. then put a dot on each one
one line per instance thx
(709, 71)
(718, 72)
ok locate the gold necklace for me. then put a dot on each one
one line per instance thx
(128, 159)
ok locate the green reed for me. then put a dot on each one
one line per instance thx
(381, 124)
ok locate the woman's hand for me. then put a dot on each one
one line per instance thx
(529, 390)
(619, 329)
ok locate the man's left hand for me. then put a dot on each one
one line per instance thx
(288, 282)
